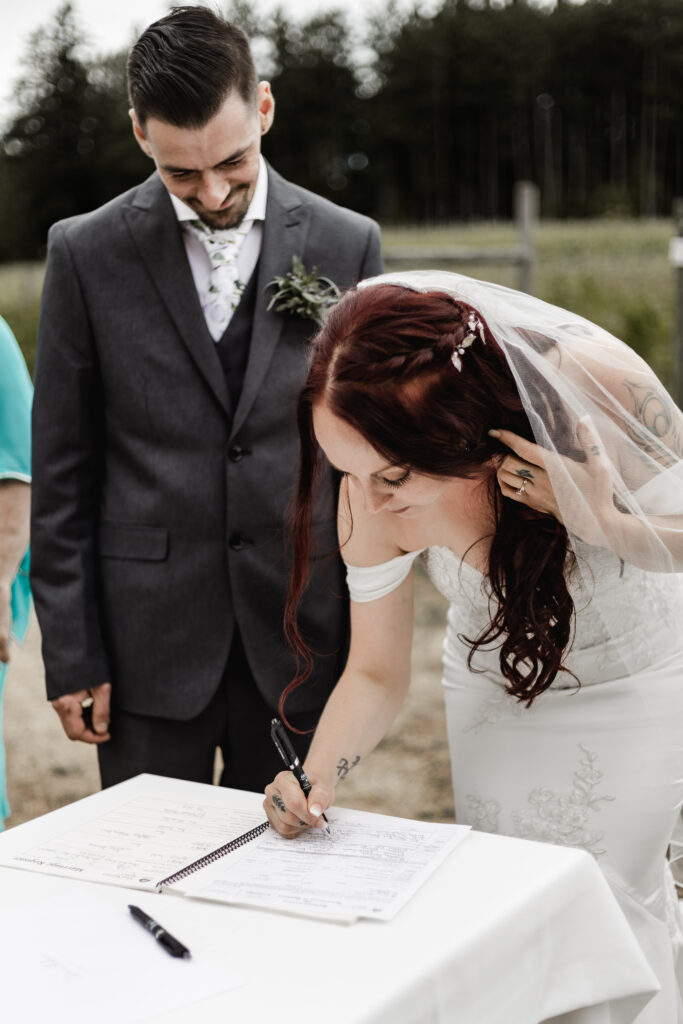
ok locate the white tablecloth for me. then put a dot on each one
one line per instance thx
(505, 932)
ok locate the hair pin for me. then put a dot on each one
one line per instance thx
(474, 327)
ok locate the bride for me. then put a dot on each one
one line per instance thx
(532, 462)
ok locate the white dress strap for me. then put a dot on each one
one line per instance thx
(369, 583)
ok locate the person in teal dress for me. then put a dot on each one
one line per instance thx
(15, 469)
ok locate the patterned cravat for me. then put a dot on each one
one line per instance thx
(225, 289)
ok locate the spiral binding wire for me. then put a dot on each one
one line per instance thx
(210, 858)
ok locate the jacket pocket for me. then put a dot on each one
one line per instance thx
(142, 543)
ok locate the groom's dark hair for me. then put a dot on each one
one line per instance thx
(184, 66)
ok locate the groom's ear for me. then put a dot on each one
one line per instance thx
(140, 135)
(266, 106)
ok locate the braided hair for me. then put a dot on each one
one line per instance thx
(422, 379)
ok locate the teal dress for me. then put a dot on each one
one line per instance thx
(16, 393)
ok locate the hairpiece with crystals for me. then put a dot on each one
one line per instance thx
(474, 328)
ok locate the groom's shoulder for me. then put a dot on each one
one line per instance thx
(107, 218)
(328, 213)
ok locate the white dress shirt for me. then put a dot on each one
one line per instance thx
(200, 264)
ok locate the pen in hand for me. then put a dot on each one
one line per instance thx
(290, 758)
(164, 938)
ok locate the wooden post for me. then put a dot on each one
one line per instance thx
(676, 258)
(526, 217)
(522, 255)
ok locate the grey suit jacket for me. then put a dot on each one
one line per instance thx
(158, 510)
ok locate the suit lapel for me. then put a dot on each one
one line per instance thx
(284, 233)
(154, 226)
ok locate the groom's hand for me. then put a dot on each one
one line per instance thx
(70, 709)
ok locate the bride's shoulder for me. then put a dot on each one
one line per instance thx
(603, 357)
(365, 538)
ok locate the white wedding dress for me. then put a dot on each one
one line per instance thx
(599, 766)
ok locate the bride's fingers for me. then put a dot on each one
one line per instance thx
(508, 480)
(285, 805)
(526, 450)
(517, 493)
(590, 443)
(520, 476)
(597, 463)
(280, 819)
(536, 493)
(514, 468)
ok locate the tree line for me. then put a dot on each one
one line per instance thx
(419, 119)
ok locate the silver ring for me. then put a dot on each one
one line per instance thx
(522, 490)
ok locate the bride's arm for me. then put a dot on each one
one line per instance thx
(643, 408)
(369, 693)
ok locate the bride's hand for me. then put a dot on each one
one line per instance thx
(288, 810)
(582, 489)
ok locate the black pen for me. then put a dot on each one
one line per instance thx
(163, 937)
(290, 758)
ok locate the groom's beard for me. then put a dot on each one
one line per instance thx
(230, 217)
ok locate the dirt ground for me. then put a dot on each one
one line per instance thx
(408, 775)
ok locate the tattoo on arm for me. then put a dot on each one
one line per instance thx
(660, 419)
(344, 767)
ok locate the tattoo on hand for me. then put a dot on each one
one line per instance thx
(526, 473)
(279, 804)
(343, 768)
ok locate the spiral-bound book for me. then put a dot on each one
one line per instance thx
(164, 835)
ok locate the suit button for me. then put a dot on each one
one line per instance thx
(235, 453)
(238, 541)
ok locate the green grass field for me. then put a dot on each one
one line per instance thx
(615, 272)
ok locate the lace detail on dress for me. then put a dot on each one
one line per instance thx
(492, 709)
(624, 617)
(458, 581)
(559, 818)
(562, 819)
(484, 814)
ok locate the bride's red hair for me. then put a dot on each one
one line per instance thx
(383, 363)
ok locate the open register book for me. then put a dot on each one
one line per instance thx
(165, 835)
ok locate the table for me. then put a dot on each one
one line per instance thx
(506, 931)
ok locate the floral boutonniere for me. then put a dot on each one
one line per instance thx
(303, 293)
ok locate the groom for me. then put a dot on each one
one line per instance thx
(165, 447)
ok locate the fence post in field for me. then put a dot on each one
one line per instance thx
(526, 217)
(520, 255)
(676, 258)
